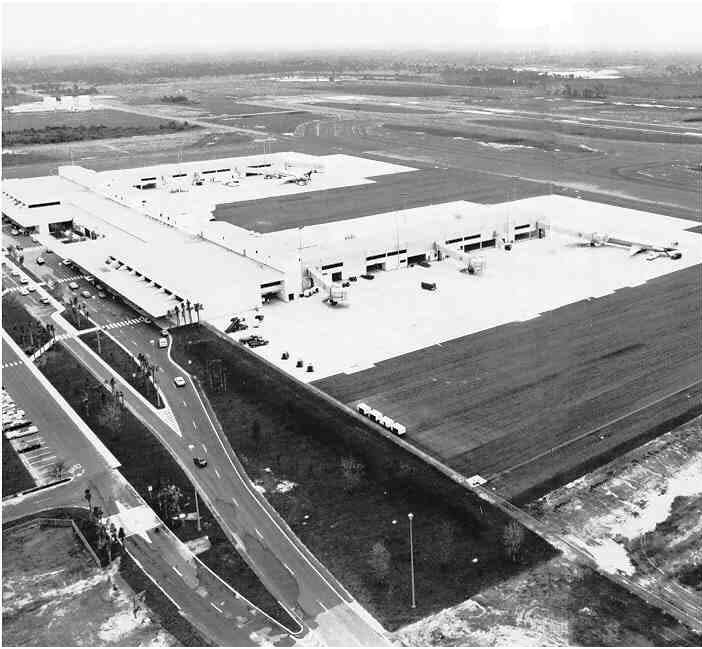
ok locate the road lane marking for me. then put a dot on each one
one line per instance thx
(214, 606)
(178, 572)
(287, 567)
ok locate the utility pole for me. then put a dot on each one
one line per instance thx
(411, 518)
(197, 511)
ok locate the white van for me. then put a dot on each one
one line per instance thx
(363, 408)
(398, 429)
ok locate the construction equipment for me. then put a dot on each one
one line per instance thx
(236, 324)
(472, 264)
(597, 239)
(334, 292)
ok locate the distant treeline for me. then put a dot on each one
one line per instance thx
(58, 134)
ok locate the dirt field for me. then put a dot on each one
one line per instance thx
(54, 595)
(640, 515)
(555, 603)
(494, 400)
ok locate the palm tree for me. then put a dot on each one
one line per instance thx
(198, 308)
(189, 307)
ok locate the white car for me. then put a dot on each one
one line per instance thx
(24, 280)
(23, 291)
(31, 288)
(179, 382)
(15, 273)
(85, 294)
(163, 343)
(41, 260)
(73, 286)
(44, 299)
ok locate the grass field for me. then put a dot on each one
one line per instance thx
(15, 477)
(299, 449)
(373, 108)
(106, 117)
(387, 193)
(275, 124)
(485, 403)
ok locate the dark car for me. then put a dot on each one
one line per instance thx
(368, 276)
(200, 462)
(424, 263)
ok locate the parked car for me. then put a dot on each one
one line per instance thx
(85, 294)
(15, 273)
(200, 462)
(429, 286)
(23, 291)
(424, 263)
(179, 382)
(24, 280)
(368, 276)
(14, 232)
(44, 300)
(31, 288)
(163, 343)
(41, 260)
(73, 286)
(102, 295)
(66, 262)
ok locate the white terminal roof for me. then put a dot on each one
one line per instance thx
(190, 267)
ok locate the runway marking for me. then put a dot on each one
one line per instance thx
(217, 472)
(260, 536)
(194, 424)
(214, 606)
(204, 447)
(185, 403)
(287, 567)
(178, 572)
(236, 502)
(324, 608)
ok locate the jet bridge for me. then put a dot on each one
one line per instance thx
(333, 292)
(472, 264)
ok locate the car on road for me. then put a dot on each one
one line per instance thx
(73, 286)
(163, 343)
(66, 262)
(23, 291)
(41, 260)
(179, 381)
(31, 288)
(24, 280)
(200, 462)
(85, 294)
(89, 278)
(15, 273)
(102, 295)
(44, 299)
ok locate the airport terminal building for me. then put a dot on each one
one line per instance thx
(150, 236)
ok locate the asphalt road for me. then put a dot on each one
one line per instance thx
(211, 605)
(285, 566)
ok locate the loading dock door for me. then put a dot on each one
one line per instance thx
(415, 259)
(336, 277)
(372, 268)
(471, 246)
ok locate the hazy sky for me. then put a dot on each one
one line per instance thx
(71, 27)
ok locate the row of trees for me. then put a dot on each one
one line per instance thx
(28, 333)
(179, 312)
(145, 379)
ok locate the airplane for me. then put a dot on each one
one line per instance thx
(299, 179)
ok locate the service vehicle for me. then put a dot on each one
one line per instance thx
(163, 343)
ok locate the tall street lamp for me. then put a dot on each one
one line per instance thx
(411, 517)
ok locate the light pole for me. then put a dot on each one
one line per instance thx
(197, 509)
(411, 517)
